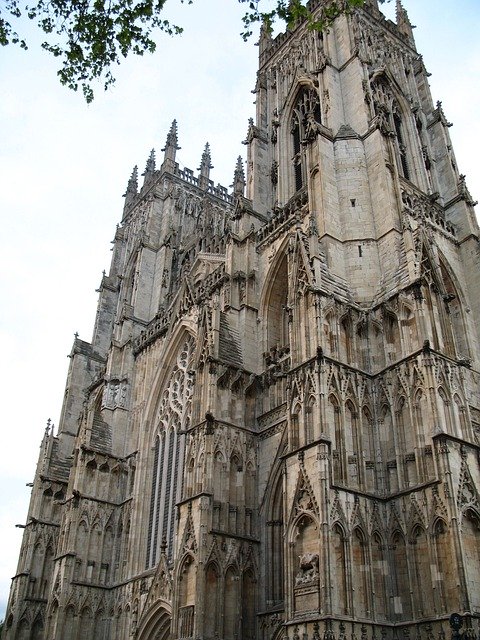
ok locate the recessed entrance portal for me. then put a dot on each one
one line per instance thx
(155, 625)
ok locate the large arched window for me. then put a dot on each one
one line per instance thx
(173, 419)
(401, 149)
(277, 312)
(304, 128)
(390, 118)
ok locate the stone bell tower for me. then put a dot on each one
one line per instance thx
(275, 430)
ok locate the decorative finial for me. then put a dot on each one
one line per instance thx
(150, 166)
(75, 335)
(239, 178)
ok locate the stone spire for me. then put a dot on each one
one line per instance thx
(150, 166)
(403, 22)
(171, 147)
(132, 189)
(239, 178)
(204, 168)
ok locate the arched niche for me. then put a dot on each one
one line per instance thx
(249, 589)
(423, 596)
(305, 563)
(471, 549)
(275, 308)
(359, 573)
(231, 605)
(379, 576)
(455, 305)
(186, 599)
(402, 604)
(275, 559)
(338, 571)
(211, 609)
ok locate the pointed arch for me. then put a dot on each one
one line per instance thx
(337, 433)
(186, 596)
(231, 604)
(395, 120)
(275, 559)
(471, 549)
(275, 306)
(171, 415)
(402, 605)
(305, 120)
(352, 443)
(156, 622)
(423, 596)
(379, 576)
(360, 585)
(249, 589)
(455, 305)
(338, 570)
(212, 605)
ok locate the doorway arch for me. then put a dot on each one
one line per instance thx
(156, 623)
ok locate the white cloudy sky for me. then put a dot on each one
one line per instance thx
(64, 166)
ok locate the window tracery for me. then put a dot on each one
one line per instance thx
(174, 417)
(305, 126)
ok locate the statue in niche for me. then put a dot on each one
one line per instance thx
(308, 571)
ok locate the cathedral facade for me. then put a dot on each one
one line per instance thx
(274, 432)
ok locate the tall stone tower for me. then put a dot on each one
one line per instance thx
(275, 430)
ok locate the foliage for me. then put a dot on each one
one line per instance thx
(292, 11)
(90, 37)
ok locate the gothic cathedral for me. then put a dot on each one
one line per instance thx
(274, 433)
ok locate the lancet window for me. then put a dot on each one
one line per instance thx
(169, 451)
(306, 118)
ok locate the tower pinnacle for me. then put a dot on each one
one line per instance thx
(132, 189)
(239, 178)
(150, 166)
(403, 22)
(205, 166)
(171, 147)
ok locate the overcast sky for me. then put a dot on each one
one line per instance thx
(64, 167)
